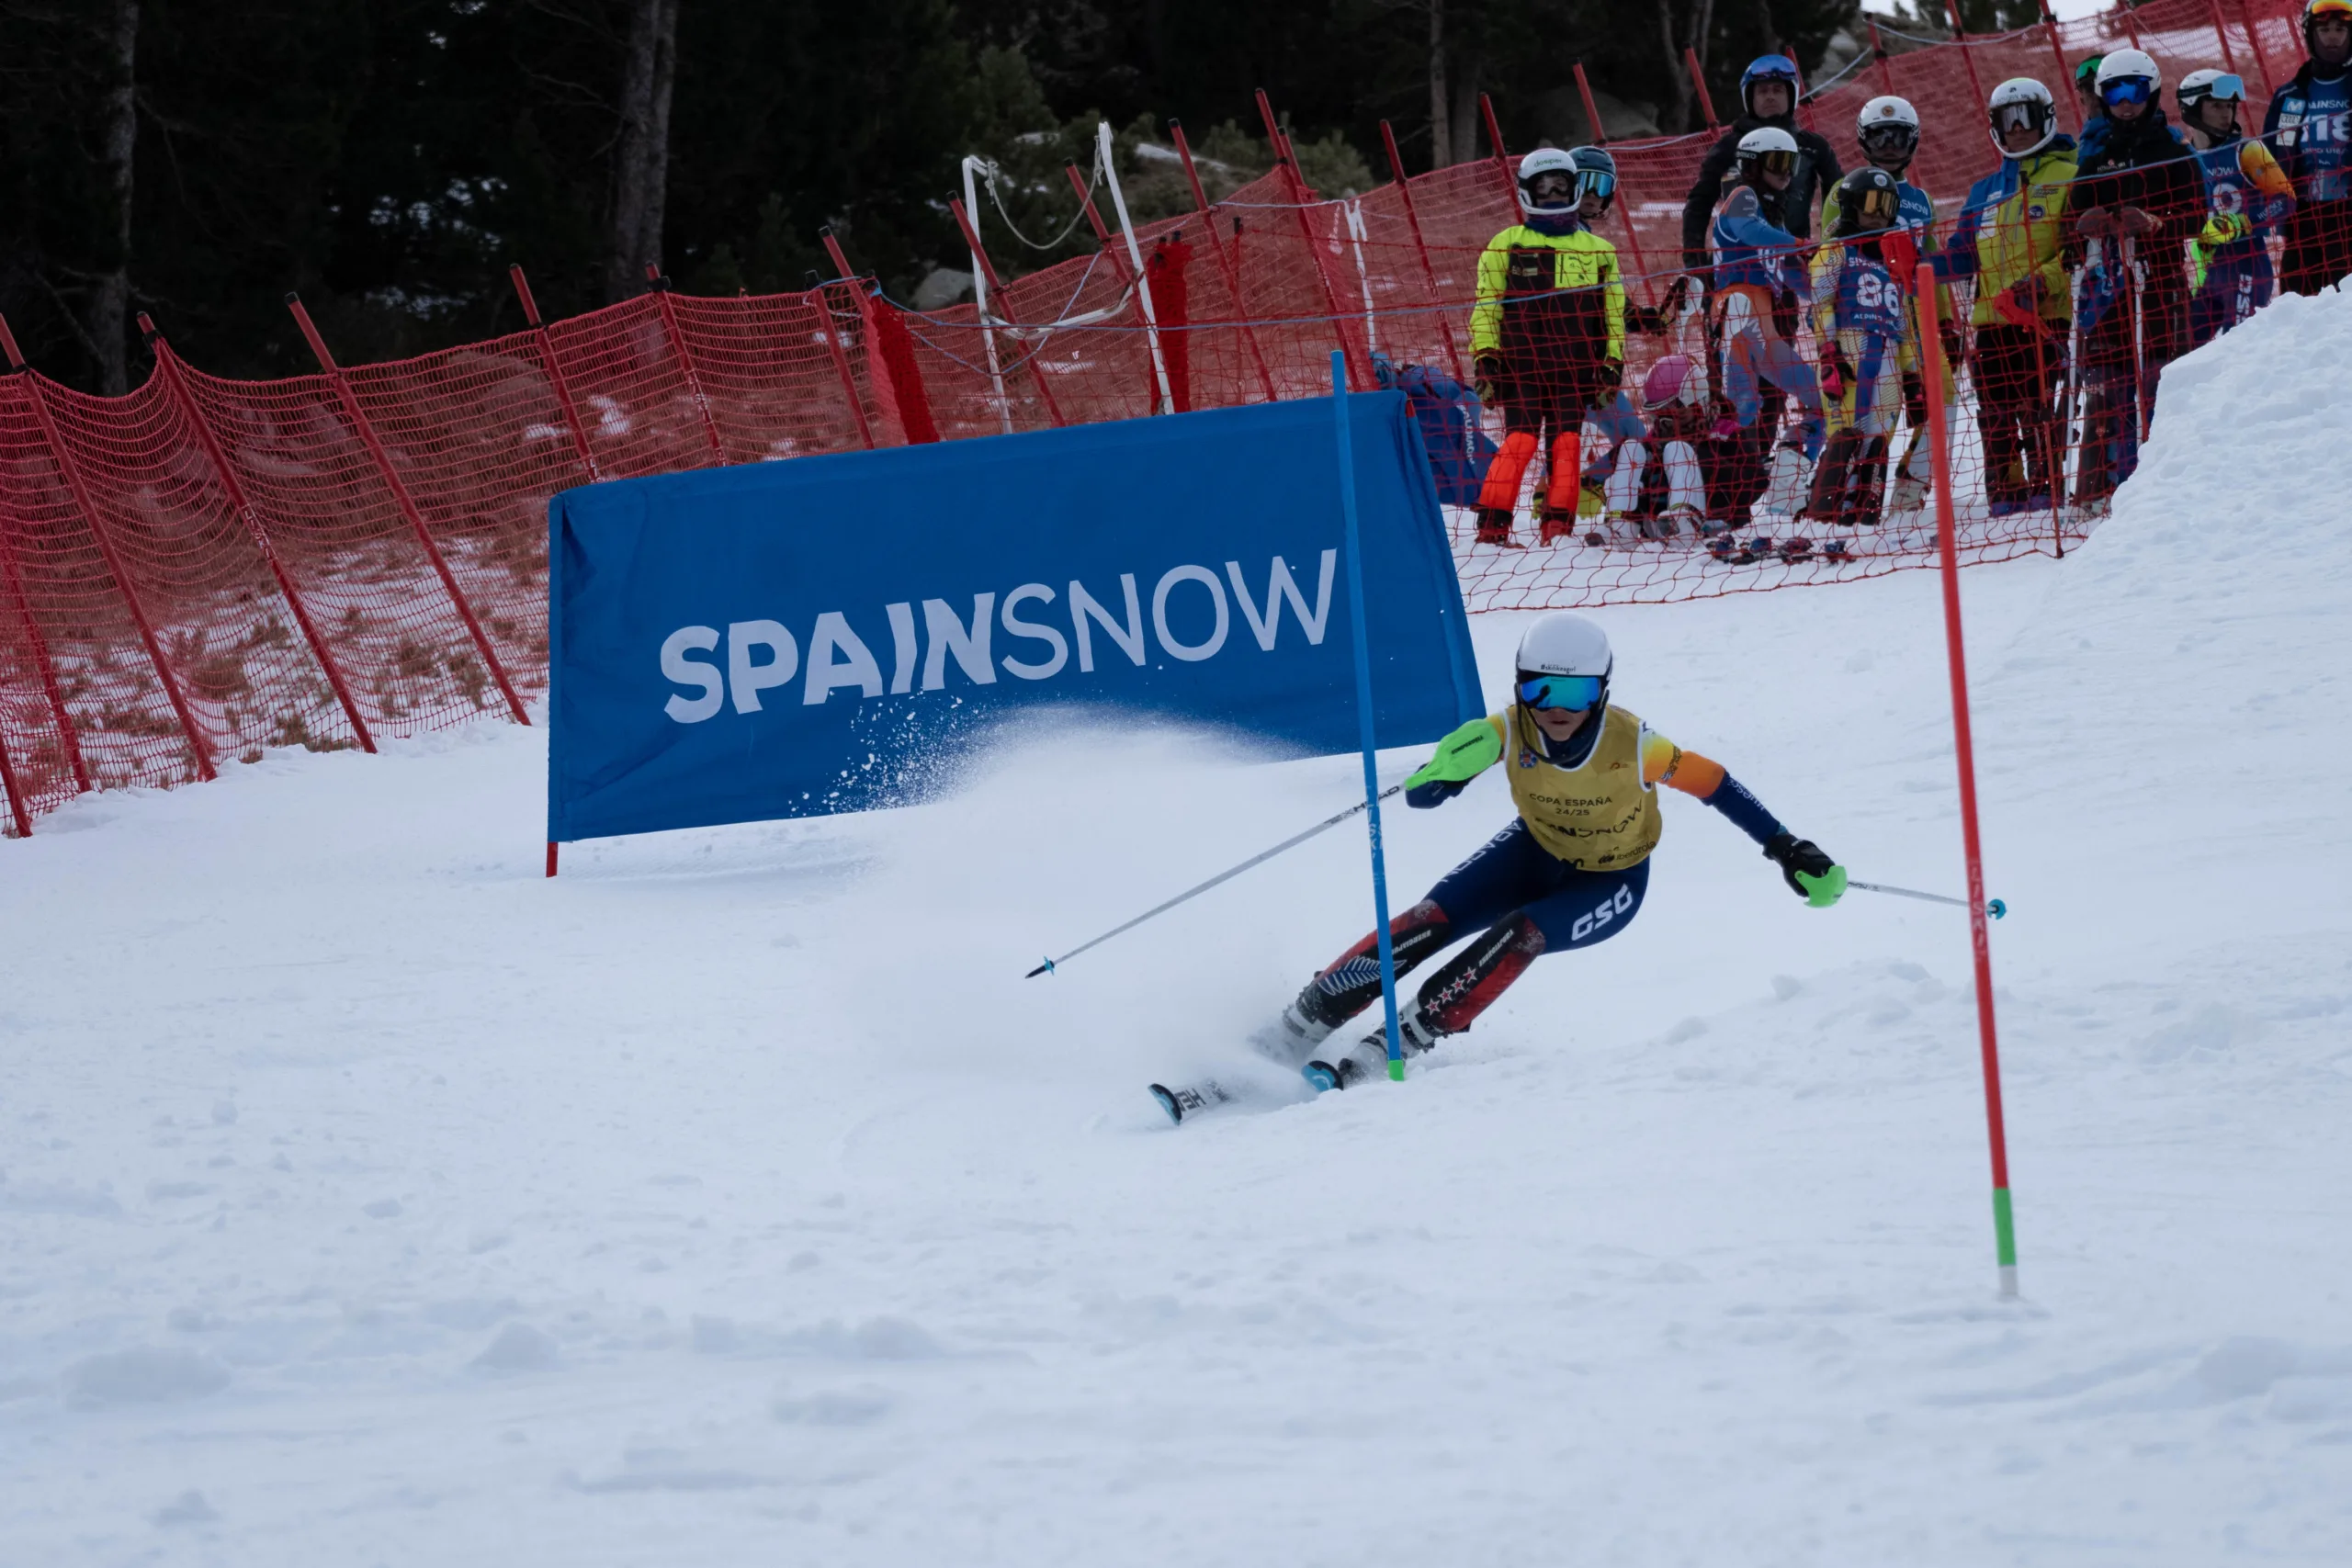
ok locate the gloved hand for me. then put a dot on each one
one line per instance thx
(1613, 375)
(2223, 228)
(1461, 757)
(1486, 375)
(1809, 873)
(1834, 372)
(1679, 293)
(2027, 291)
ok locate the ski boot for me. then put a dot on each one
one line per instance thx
(1794, 548)
(1494, 527)
(1558, 525)
(1368, 1058)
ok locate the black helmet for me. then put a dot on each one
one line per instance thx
(1867, 202)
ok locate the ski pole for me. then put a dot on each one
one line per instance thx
(1994, 908)
(1050, 965)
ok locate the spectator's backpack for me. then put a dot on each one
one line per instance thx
(1448, 411)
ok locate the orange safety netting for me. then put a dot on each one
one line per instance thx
(206, 568)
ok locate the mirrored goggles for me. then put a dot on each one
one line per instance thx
(1879, 207)
(2127, 90)
(1889, 140)
(2019, 117)
(1776, 163)
(1575, 693)
(2232, 89)
(2330, 10)
(1596, 182)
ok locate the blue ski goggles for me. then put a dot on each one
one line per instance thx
(2127, 90)
(2226, 89)
(1595, 181)
(1575, 693)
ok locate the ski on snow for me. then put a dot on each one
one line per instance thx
(1185, 1102)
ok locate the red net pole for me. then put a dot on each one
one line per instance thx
(555, 371)
(67, 735)
(823, 302)
(887, 335)
(79, 488)
(1878, 56)
(1502, 158)
(1959, 41)
(1004, 311)
(2261, 56)
(24, 819)
(407, 504)
(1931, 351)
(1227, 264)
(2222, 36)
(2065, 73)
(167, 363)
(1428, 273)
(1699, 82)
(660, 288)
(1623, 207)
(1286, 158)
(1117, 255)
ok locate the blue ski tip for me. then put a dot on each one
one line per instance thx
(1319, 1077)
(1996, 908)
(1045, 968)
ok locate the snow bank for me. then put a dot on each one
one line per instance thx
(732, 1199)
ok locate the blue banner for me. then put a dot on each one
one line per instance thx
(832, 632)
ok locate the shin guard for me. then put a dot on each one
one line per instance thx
(1508, 467)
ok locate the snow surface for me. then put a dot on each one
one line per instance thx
(732, 1199)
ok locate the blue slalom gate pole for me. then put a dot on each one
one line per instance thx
(1363, 710)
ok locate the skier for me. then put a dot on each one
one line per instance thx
(2245, 197)
(1569, 872)
(1887, 130)
(2135, 206)
(2307, 129)
(1758, 279)
(2010, 239)
(1652, 478)
(1768, 90)
(2094, 125)
(1861, 290)
(1547, 336)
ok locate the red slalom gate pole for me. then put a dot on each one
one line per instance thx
(406, 502)
(2005, 1242)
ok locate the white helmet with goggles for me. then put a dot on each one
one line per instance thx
(1547, 184)
(2022, 103)
(1565, 662)
(1767, 148)
(2128, 76)
(2208, 87)
(1888, 131)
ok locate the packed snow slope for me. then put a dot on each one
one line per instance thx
(732, 1199)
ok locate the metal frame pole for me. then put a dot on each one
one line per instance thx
(75, 484)
(407, 504)
(68, 738)
(168, 365)
(1429, 272)
(1364, 728)
(660, 287)
(1128, 277)
(1005, 314)
(1108, 151)
(1286, 158)
(555, 371)
(1230, 266)
(2004, 1226)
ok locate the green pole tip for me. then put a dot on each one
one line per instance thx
(1396, 1070)
(2005, 1232)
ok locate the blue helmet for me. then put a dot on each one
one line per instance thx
(1770, 68)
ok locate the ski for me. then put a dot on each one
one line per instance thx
(1191, 1099)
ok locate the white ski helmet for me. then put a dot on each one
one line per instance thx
(2198, 86)
(1564, 643)
(1767, 147)
(1888, 125)
(1546, 161)
(2125, 64)
(2022, 101)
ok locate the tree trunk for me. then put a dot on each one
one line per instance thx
(1465, 107)
(1440, 123)
(641, 161)
(107, 314)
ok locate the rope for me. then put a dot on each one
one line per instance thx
(988, 173)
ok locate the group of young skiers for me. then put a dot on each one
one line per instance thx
(1794, 363)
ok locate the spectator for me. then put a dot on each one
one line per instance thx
(2010, 239)
(2306, 129)
(1547, 336)
(1768, 90)
(1646, 498)
(2135, 206)
(1861, 284)
(1887, 132)
(2245, 197)
(2094, 112)
(1758, 277)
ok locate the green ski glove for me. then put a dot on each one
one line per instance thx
(1461, 757)
(1807, 869)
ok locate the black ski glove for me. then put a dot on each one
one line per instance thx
(1487, 378)
(1810, 873)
